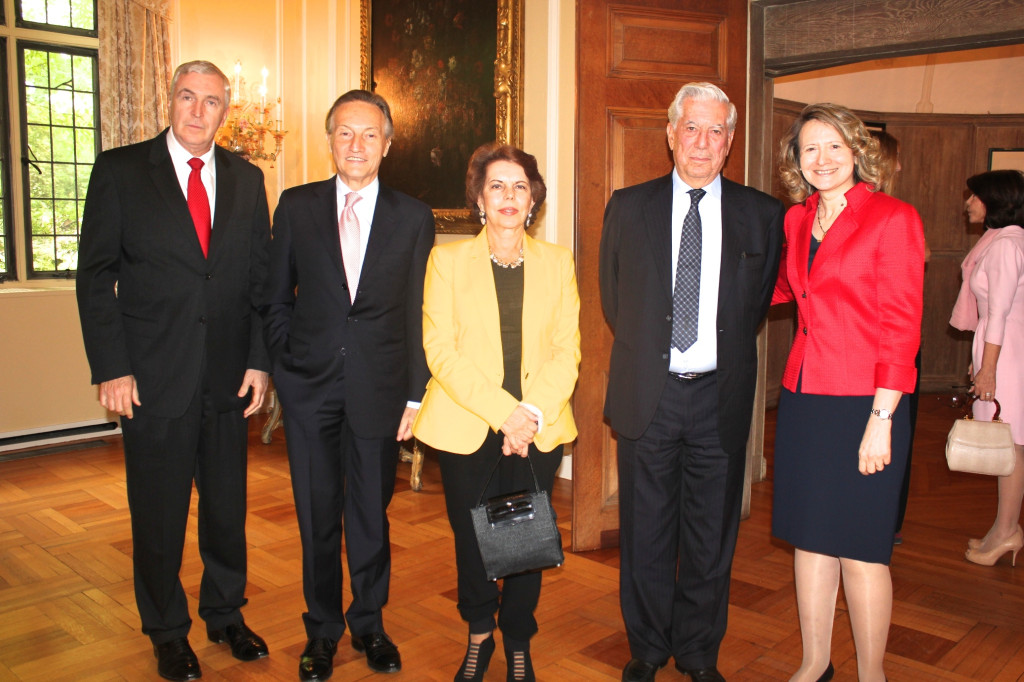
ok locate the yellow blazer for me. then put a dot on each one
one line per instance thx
(462, 340)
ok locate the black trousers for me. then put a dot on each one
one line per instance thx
(463, 477)
(162, 459)
(341, 483)
(680, 495)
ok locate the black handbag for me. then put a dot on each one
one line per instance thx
(516, 532)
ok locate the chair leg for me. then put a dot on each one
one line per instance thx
(273, 421)
(416, 478)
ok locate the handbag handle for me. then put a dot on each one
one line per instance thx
(995, 417)
(536, 483)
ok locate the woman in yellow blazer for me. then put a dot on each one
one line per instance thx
(501, 334)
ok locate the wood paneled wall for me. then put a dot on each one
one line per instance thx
(938, 152)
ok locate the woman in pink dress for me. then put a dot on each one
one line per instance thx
(991, 303)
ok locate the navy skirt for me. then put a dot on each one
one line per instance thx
(822, 503)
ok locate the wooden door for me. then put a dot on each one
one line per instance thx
(632, 59)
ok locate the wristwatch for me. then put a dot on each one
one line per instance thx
(882, 413)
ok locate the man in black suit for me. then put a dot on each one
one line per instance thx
(344, 322)
(685, 282)
(172, 258)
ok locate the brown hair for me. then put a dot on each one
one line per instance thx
(485, 155)
(889, 150)
(866, 156)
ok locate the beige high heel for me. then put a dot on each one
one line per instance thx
(975, 543)
(989, 558)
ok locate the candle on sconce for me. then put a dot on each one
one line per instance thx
(263, 103)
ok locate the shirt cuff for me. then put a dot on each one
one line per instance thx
(536, 413)
(413, 404)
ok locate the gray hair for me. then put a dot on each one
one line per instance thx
(702, 92)
(363, 96)
(206, 68)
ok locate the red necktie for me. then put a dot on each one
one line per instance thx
(199, 204)
(351, 250)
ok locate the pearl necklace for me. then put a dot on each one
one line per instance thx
(502, 264)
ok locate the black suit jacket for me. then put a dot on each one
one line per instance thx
(636, 294)
(150, 303)
(314, 332)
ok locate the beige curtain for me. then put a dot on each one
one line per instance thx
(135, 69)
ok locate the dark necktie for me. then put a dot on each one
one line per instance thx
(199, 204)
(686, 293)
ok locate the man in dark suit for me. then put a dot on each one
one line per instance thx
(172, 258)
(687, 267)
(344, 324)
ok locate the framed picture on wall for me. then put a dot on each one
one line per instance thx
(1006, 159)
(452, 74)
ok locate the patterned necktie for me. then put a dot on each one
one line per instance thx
(199, 204)
(348, 231)
(686, 293)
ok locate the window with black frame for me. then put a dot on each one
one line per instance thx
(54, 127)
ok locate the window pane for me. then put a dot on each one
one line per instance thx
(42, 254)
(39, 143)
(82, 67)
(77, 15)
(63, 137)
(41, 182)
(63, 144)
(34, 10)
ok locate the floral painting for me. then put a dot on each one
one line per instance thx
(433, 61)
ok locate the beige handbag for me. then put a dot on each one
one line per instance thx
(979, 447)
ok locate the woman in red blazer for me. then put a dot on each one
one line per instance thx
(854, 264)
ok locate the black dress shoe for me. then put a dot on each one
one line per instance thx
(381, 654)
(829, 673)
(246, 645)
(317, 660)
(702, 674)
(640, 671)
(176, 661)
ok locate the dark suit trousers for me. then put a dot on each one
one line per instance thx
(464, 477)
(336, 474)
(679, 509)
(162, 458)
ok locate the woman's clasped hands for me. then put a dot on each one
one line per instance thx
(519, 429)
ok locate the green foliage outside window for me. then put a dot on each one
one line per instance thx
(61, 130)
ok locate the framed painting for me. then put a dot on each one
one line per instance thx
(452, 74)
(1006, 159)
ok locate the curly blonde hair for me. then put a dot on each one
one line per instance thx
(866, 154)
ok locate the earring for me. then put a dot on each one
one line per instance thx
(529, 219)
(483, 217)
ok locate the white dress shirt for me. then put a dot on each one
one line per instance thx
(180, 158)
(702, 356)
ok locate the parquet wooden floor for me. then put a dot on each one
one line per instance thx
(67, 610)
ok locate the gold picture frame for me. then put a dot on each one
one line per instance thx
(506, 87)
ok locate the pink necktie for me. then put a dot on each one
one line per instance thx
(199, 204)
(348, 230)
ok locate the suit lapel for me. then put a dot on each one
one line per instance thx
(324, 220)
(734, 224)
(658, 222)
(486, 295)
(227, 186)
(161, 172)
(385, 222)
(533, 291)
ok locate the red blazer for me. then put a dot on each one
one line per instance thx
(859, 308)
